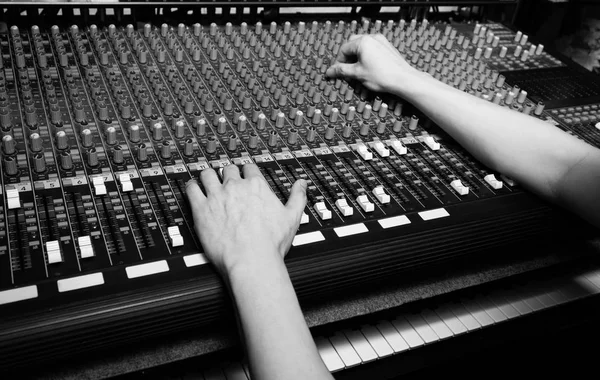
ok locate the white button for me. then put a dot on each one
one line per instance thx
(380, 194)
(508, 180)
(459, 187)
(304, 218)
(381, 149)
(492, 181)
(322, 210)
(398, 147)
(431, 143)
(364, 203)
(85, 246)
(364, 152)
(597, 125)
(99, 185)
(175, 236)
(53, 251)
(307, 238)
(12, 198)
(126, 184)
(342, 205)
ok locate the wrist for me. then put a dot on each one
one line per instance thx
(409, 83)
(259, 261)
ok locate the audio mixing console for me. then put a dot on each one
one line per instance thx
(102, 127)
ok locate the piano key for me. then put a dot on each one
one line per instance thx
(546, 300)
(454, 324)
(422, 328)
(377, 341)
(573, 291)
(557, 295)
(491, 309)
(436, 324)
(235, 371)
(392, 336)
(214, 374)
(463, 315)
(532, 301)
(585, 284)
(330, 357)
(477, 312)
(514, 299)
(409, 334)
(361, 346)
(594, 278)
(345, 350)
(504, 306)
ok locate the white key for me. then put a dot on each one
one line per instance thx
(491, 309)
(345, 350)
(398, 147)
(343, 207)
(436, 324)
(13, 199)
(431, 143)
(175, 236)
(504, 306)
(328, 354)
(322, 210)
(464, 316)
(361, 346)
(515, 300)
(453, 323)
(53, 251)
(304, 219)
(533, 302)
(477, 312)
(126, 184)
(377, 341)
(422, 328)
(364, 203)
(235, 371)
(407, 332)
(546, 300)
(392, 336)
(458, 186)
(381, 195)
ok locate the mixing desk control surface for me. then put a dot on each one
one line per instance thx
(102, 127)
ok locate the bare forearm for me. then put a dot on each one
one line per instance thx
(278, 341)
(531, 151)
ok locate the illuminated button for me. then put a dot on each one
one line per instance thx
(492, 181)
(381, 149)
(380, 194)
(126, 184)
(364, 203)
(53, 251)
(322, 210)
(364, 152)
(342, 205)
(304, 219)
(398, 147)
(431, 143)
(85, 247)
(99, 186)
(175, 236)
(12, 198)
(459, 187)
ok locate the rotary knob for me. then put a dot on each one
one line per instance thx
(39, 163)
(87, 138)
(201, 127)
(8, 144)
(188, 148)
(36, 142)
(5, 118)
(117, 155)
(66, 161)
(92, 157)
(10, 166)
(232, 143)
(157, 131)
(312, 134)
(293, 137)
(62, 141)
(111, 136)
(134, 133)
(142, 152)
(165, 150)
(222, 125)
(330, 132)
(211, 145)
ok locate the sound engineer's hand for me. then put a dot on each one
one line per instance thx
(241, 219)
(374, 61)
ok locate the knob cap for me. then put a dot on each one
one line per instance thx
(39, 162)
(87, 138)
(188, 148)
(36, 142)
(111, 136)
(157, 133)
(117, 155)
(211, 145)
(293, 137)
(253, 140)
(165, 150)
(142, 152)
(8, 144)
(92, 157)
(62, 141)
(66, 161)
(232, 143)
(179, 129)
(10, 166)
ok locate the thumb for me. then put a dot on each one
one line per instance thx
(297, 199)
(342, 70)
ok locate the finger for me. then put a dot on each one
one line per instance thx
(195, 195)
(343, 70)
(350, 50)
(297, 200)
(210, 180)
(251, 170)
(231, 172)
